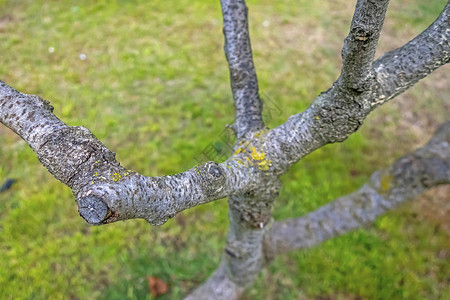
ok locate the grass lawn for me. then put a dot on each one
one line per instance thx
(149, 78)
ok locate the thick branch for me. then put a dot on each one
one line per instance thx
(360, 45)
(250, 217)
(244, 83)
(335, 114)
(105, 191)
(408, 177)
(399, 69)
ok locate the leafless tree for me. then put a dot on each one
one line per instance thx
(106, 192)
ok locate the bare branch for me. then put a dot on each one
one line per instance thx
(250, 217)
(335, 114)
(244, 83)
(398, 70)
(359, 47)
(408, 177)
(105, 191)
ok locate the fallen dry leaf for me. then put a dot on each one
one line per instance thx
(156, 286)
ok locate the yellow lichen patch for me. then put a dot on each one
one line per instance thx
(257, 155)
(239, 150)
(116, 177)
(385, 182)
(261, 133)
(264, 165)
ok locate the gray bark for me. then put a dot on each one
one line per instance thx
(244, 83)
(106, 192)
(357, 73)
(406, 178)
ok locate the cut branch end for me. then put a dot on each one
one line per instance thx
(93, 210)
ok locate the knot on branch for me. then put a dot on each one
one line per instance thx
(363, 33)
(437, 171)
(239, 76)
(237, 249)
(42, 102)
(212, 177)
(409, 171)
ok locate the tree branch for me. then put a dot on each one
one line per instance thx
(250, 217)
(336, 114)
(408, 177)
(360, 45)
(244, 83)
(105, 191)
(400, 69)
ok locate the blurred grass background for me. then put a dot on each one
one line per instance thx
(150, 79)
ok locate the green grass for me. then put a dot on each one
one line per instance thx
(154, 88)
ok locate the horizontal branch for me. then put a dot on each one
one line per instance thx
(408, 177)
(107, 192)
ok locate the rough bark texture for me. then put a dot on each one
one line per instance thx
(398, 70)
(359, 47)
(408, 177)
(238, 52)
(334, 116)
(106, 192)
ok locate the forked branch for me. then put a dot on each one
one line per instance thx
(406, 178)
(335, 114)
(107, 192)
(332, 117)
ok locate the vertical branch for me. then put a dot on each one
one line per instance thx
(250, 218)
(244, 83)
(360, 45)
